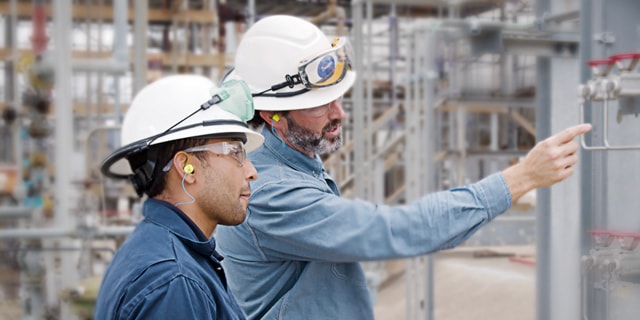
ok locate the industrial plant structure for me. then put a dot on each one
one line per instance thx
(448, 92)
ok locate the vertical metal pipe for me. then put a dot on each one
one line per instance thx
(357, 95)
(461, 144)
(543, 219)
(493, 143)
(368, 118)
(428, 148)
(543, 226)
(140, 64)
(409, 179)
(393, 51)
(120, 52)
(252, 12)
(16, 97)
(90, 118)
(63, 110)
(63, 133)
(415, 165)
(588, 174)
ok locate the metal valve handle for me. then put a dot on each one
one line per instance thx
(598, 69)
(619, 59)
(604, 90)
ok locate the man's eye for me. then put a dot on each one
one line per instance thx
(233, 150)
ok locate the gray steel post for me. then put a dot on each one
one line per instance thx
(426, 164)
(357, 95)
(543, 205)
(63, 133)
(140, 63)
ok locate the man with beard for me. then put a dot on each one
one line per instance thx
(296, 256)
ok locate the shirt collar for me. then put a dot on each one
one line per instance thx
(173, 219)
(290, 156)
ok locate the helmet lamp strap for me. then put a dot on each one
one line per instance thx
(290, 81)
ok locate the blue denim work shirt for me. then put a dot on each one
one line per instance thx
(297, 254)
(166, 269)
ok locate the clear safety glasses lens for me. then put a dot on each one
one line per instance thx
(233, 148)
(235, 98)
(329, 67)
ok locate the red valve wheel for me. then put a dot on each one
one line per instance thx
(601, 67)
(599, 62)
(631, 57)
(602, 238)
(627, 240)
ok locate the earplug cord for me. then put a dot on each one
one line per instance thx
(186, 192)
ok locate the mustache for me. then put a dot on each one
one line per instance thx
(331, 125)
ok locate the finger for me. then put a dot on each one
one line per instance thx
(562, 151)
(569, 148)
(570, 161)
(567, 173)
(570, 133)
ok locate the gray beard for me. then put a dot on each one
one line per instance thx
(309, 142)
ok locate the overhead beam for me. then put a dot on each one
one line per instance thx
(439, 3)
(105, 13)
(523, 122)
(186, 59)
(81, 108)
(474, 108)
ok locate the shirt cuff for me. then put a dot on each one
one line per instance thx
(494, 193)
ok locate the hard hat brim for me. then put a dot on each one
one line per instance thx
(117, 166)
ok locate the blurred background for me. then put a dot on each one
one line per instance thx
(448, 92)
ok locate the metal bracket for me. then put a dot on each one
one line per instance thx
(605, 37)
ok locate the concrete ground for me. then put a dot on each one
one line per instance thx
(496, 283)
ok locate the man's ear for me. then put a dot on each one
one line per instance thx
(180, 161)
(273, 118)
(266, 116)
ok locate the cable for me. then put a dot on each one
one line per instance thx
(186, 192)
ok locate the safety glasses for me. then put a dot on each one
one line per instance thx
(328, 67)
(320, 111)
(233, 148)
(323, 69)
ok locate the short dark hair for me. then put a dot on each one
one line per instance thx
(164, 153)
(256, 121)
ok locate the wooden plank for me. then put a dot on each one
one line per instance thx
(449, 107)
(523, 122)
(80, 108)
(105, 13)
(188, 59)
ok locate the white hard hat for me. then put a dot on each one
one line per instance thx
(178, 107)
(282, 46)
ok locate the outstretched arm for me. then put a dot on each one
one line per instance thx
(549, 162)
